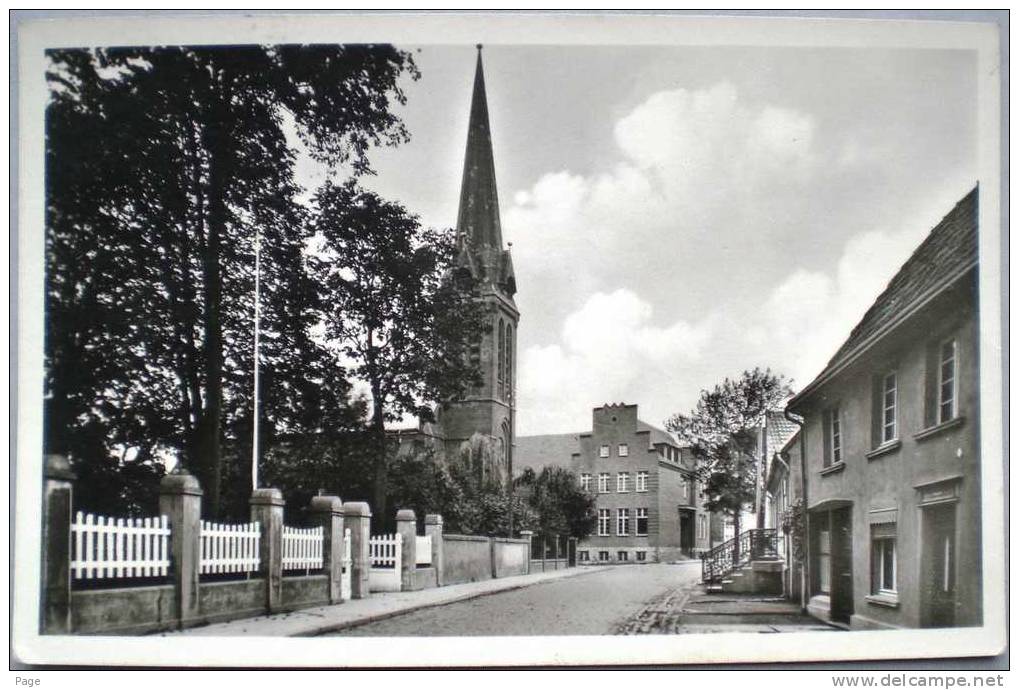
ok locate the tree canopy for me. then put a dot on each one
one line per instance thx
(722, 431)
(162, 165)
(402, 322)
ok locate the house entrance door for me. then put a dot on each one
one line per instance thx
(686, 531)
(939, 566)
(841, 564)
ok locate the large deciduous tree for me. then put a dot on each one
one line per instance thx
(722, 431)
(402, 319)
(162, 164)
(560, 505)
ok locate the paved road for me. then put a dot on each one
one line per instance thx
(590, 604)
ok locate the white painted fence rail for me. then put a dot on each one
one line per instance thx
(384, 554)
(229, 548)
(423, 550)
(384, 550)
(106, 547)
(302, 548)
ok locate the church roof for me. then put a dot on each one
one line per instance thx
(538, 452)
(478, 218)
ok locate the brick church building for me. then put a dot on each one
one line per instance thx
(482, 422)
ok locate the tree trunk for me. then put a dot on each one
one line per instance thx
(380, 511)
(209, 449)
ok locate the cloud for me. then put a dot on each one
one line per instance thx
(609, 348)
(718, 235)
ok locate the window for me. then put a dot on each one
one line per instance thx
(509, 361)
(946, 382)
(889, 394)
(824, 561)
(585, 481)
(882, 555)
(603, 452)
(603, 555)
(501, 347)
(603, 483)
(642, 481)
(623, 482)
(702, 526)
(604, 518)
(686, 489)
(836, 436)
(624, 450)
(641, 555)
(584, 555)
(622, 521)
(641, 522)
(622, 556)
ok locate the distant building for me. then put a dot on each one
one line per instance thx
(784, 489)
(891, 447)
(648, 500)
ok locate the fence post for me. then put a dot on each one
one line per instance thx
(267, 510)
(571, 552)
(433, 528)
(328, 512)
(357, 516)
(58, 491)
(407, 528)
(556, 552)
(180, 499)
(529, 536)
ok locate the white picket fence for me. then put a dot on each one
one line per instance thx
(302, 548)
(106, 547)
(423, 550)
(229, 548)
(346, 573)
(384, 554)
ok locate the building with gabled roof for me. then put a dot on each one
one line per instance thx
(649, 501)
(890, 448)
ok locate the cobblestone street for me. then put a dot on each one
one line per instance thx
(598, 603)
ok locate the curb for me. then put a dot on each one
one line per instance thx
(345, 625)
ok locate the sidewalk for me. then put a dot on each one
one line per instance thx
(379, 606)
(692, 610)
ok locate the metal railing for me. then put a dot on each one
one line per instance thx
(752, 544)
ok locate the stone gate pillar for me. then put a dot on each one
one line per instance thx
(357, 517)
(328, 512)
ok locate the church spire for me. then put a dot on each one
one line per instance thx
(478, 220)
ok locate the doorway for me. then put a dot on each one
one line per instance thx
(687, 541)
(938, 566)
(841, 564)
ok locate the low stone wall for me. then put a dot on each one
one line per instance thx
(509, 556)
(302, 591)
(466, 559)
(220, 601)
(127, 610)
(424, 578)
(141, 610)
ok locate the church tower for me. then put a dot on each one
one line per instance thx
(487, 410)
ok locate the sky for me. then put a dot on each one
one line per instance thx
(681, 214)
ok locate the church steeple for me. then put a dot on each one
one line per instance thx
(477, 224)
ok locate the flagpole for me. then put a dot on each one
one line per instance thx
(258, 314)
